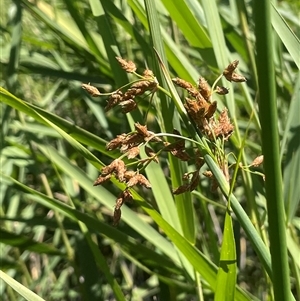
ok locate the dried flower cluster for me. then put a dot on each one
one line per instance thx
(201, 110)
(130, 143)
(127, 143)
(127, 99)
(230, 75)
(118, 169)
(93, 91)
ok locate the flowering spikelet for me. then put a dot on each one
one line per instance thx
(225, 127)
(124, 196)
(117, 142)
(230, 75)
(138, 179)
(93, 91)
(211, 110)
(128, 105)
(188, 187)
(127, 99)
(117, 168)
(117, 216)
(150, 153)
(133, 152)
(187, 86)
(257, 161)
(222, 90)
(177, 148)
(204, 88)
(114, 100)
(148, 73)
(128, 66)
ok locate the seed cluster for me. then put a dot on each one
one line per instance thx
(200, 108)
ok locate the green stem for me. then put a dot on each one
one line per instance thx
(270, 148)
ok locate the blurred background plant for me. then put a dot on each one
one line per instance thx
(57, 239)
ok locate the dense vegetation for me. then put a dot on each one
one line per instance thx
(138, 160)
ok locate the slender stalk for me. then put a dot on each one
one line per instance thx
(270, 148)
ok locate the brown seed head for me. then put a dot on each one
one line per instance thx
(133, 152)
(114, 99)
(150, 153)
(230, 75)
(116, 167)
(141, 129)
(117, 216)
(138, 179)
(237, 78)
(197, 110)
(93, 91)
(128, 105)
(128, 66)
(182, 83)
(131, 140)
(222, 90)
(124, 196)
(225, 127)
(231, 67)
(204, 88)
(117, 142)
(101, 179)
(211, 110)
(148, 73)
(181, 189)
(194, 181)
(129, 174)
(257, 161)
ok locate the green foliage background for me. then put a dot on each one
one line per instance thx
(57, 241)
